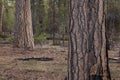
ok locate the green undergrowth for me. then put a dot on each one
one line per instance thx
(10, 39)
(117, 28)
(6, 39)
(1, 39)
(40, 38)
(2, 79)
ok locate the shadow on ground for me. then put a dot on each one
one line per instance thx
(36, 59)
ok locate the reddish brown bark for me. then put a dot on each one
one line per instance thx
(23, 25)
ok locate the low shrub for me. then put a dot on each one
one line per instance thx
(41, 38)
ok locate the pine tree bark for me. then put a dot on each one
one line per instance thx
(1, 14)
(88, 58)
(23, 25)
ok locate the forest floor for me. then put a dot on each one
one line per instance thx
(48, 63)
(45, 63)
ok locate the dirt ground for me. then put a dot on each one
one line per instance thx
(45, 63)
(40, 64)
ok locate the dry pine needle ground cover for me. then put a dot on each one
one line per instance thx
(48, 63)
(40, 64)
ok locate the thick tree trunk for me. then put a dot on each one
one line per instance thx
(23, 25)
(88, 58)
(1, 14)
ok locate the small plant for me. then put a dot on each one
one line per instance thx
(40, 38)
(66, 37)
(10, 39)
(1, 39)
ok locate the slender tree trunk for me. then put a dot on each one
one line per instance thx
(53, 22)
(41, 14)
(88, 58)
(63, 39)
(1, 14)
(54, 41)
(34, 15)
(23, 25)
(65, 20)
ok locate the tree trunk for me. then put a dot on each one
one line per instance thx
(1, 14)
(34, 15)
(41, 15)
(88, 58)
(23, 25)
(53, 22)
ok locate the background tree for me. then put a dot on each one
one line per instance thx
(42, 28)
(9, 17)
(38, 16)
(113, 23)
(88, 58)
(1, 14)
(57, 18)
(52, 19)
(23, 25)
(49, 22)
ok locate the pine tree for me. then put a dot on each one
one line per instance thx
(23, 25)
(88, 58)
